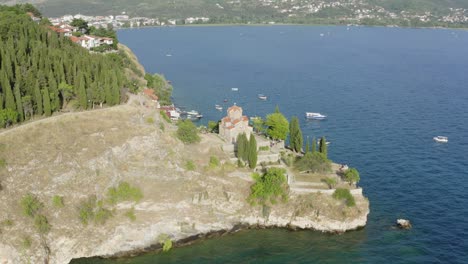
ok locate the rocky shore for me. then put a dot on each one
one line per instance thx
(104, 147)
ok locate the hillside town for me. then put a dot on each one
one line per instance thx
(125, 21)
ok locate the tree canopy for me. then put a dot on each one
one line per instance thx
(41, 72)
(295, 135)
(277, 126)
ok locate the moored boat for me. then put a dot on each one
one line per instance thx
(441, 139)
(317, 116)
(262, 97)
(218, 107)
(234, 89)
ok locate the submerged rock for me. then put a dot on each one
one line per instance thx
(404, 224)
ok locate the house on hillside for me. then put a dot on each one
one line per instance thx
(234, 124)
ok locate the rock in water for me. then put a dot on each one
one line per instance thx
(403, 224)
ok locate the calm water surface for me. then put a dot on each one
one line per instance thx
(386, 92)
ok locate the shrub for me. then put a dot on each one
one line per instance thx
(31, 205)
(352, 176)
(264, 148)
(150, 120)
(187, 132)
(166, 241)
(124, 192)
(26, 242)
(344, 194)
(7, 222)
(92, 209)
(86, 210)
(189, 165)
(213, 127)
(331, 182)
(314, 162)
(131, 214)
(41, 224)
(101, 214)
(162, 127)
(268, 187)
(214, 162)
(164, 116)
(57, 201)
(3, 163)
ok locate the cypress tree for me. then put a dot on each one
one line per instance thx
(277, 109)
(9, 97)
(323, 146)
(38, 99)
(46, 102)
(295, 133)
(252, 151)
(307, 150)
(245, 154)
(19, 103)
(82, 97)
(314, 145)
(240, 146)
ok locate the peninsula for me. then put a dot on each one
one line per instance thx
(123, 179)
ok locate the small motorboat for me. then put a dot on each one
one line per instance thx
(234, 89)
(225, 100)
(316, 116)
(441, 139)
(326, 142)
(262, 97)
(218, 107)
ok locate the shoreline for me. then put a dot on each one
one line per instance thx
(292, 24)
(198, 238)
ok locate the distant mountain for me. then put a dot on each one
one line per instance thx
(447, 13)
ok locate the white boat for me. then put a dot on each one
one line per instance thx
(441, 139)
(317, 116)
(326, 142)
(192, 113)
(262, 97)
(218, 107)
(234, 89)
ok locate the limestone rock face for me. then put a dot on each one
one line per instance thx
(104, 147)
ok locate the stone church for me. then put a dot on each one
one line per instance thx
(234, 124)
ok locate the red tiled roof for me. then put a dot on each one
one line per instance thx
(234, 108)
(74, 39)
(150, 94)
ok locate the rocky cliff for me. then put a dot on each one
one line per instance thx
(78, 155)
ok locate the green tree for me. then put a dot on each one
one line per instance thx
(46, 101)
(81, 24)
(242, 144)
(258, 124)
(213, 126)
(314, 145)
(295, 135)
(277, 126)
(323, 146)
(19, 102)
(352, 176)
(313, 162)
(268, 187)
(187, 132)
(67, 93)
(307, 150)
(38, 99)
(252, 151)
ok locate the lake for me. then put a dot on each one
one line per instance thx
(386, 91)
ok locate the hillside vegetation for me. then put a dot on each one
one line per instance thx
(449, 13)
(42, 73)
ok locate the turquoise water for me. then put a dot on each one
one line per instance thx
(386, 91)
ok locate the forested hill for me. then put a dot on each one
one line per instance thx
(41, 72)
(446, 13)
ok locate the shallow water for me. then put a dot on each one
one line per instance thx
(386, 91)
